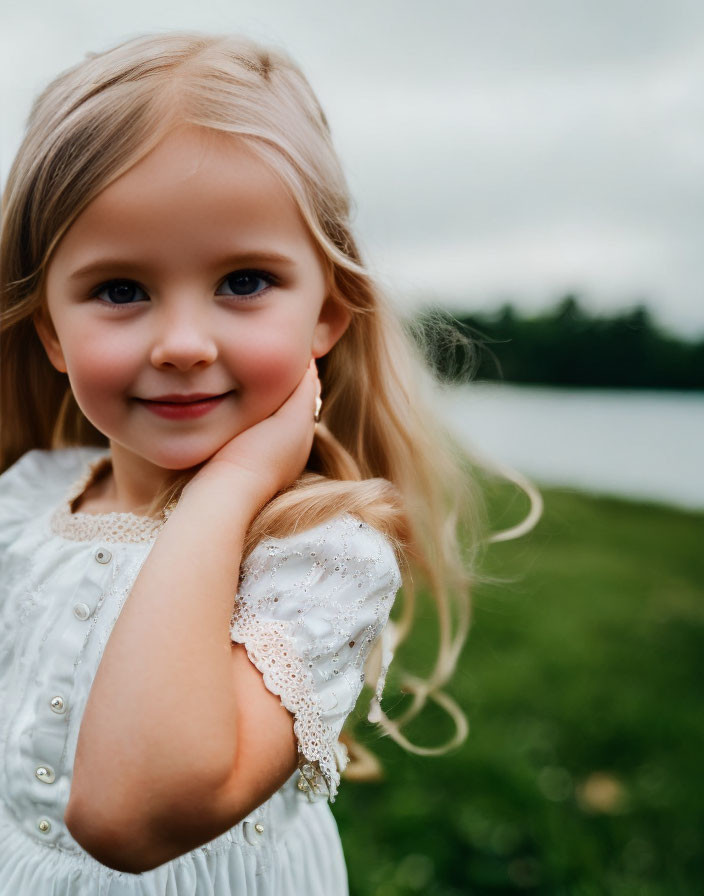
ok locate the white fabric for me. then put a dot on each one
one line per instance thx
(309, 608)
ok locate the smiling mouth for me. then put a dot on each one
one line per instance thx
(175, 407)
(196, 398)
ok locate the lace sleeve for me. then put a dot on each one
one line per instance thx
(309, 609)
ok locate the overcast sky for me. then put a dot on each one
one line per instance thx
(497, 150)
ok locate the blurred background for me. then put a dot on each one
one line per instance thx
(529, 186)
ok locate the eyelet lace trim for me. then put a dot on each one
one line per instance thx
(270, 647)
(121, 527)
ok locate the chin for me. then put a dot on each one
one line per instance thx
(180, 460)
(182, 464)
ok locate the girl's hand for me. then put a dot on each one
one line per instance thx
(272, 454)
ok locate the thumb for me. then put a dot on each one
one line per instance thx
(302, 399)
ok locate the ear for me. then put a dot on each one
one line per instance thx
(48, 338)
(332, 322)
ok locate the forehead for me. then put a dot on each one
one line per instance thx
(197, 191)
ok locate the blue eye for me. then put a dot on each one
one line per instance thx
(245, 283)
(119, 292)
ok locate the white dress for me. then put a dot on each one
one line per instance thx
(309, 608)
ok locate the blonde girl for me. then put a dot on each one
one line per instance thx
(217, 470)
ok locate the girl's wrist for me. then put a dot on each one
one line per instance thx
(226, 486)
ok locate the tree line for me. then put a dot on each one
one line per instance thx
(564, 346)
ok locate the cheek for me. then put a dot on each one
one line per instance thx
(273, 363)
(96, 365)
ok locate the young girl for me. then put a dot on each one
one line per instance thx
(197, 557)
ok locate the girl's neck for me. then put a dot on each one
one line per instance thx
(93, 497)
(120, 485)
(100, 497)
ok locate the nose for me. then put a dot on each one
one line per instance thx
(183, 339)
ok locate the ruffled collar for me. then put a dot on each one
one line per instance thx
(120, 527)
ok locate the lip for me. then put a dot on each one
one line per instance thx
(177, 398)
(183, 407)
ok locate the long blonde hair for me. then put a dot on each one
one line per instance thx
(379, 452)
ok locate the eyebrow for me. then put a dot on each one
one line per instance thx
(237, 258)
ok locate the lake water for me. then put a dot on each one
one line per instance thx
(638, 444)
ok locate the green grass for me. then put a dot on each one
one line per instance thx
(581, 679)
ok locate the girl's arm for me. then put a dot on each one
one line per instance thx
(180, 739)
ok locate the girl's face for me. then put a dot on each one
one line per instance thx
(193, 274)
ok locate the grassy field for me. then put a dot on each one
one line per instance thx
(582, 681)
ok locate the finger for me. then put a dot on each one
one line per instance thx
(303, 396)
(318, 385)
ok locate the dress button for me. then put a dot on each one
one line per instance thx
(45, 773)
(253, 832)
(82, 611)
(44, 825)
(102, 555)
(58, 705)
